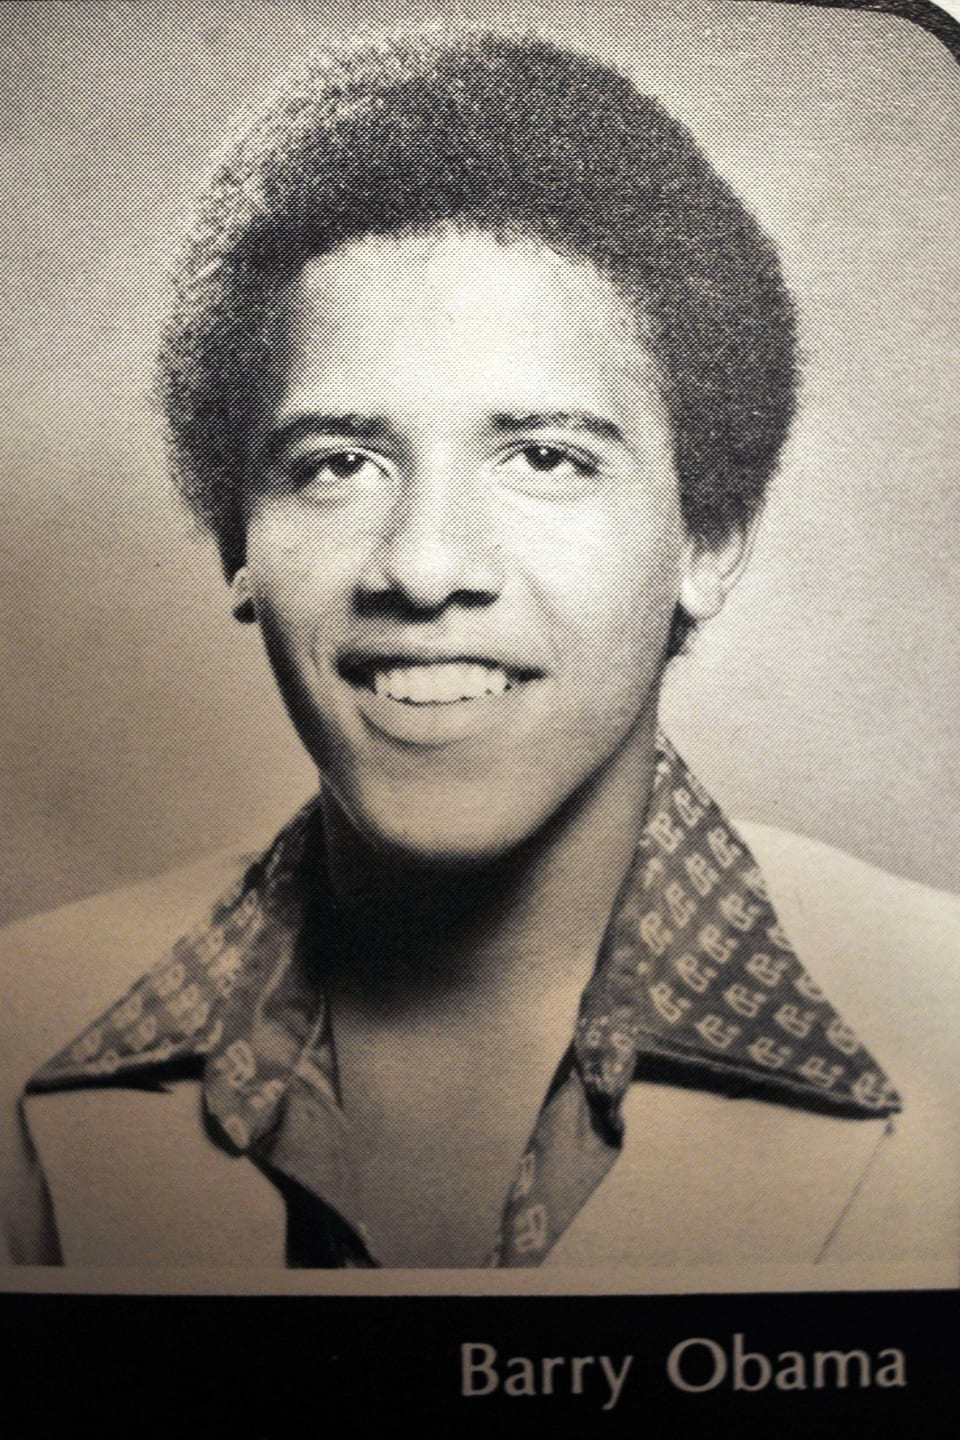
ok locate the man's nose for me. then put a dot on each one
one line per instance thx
(438, 546)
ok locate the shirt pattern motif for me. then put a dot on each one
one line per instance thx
(694, 972)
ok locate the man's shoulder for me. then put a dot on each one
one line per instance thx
(885, 949)
(63, 967)
(813, 880)
(58, 971)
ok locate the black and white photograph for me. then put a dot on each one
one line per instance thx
(480, 772)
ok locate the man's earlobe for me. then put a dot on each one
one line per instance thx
(242, 600)
(712, 570)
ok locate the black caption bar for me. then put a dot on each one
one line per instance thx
(261, 1368)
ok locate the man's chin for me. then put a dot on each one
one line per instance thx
(444, 848)
(440, 835)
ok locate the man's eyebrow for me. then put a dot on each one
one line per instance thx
(514, 422)
(350, 426)
(371, 429)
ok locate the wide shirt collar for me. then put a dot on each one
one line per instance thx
(695, 983)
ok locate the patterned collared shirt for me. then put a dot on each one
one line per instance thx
(695, 982)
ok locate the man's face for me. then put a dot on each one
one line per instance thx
(465, 543)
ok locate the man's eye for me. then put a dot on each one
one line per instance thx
(548, 461)
(343, 465)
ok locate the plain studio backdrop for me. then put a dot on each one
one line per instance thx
(140, 723)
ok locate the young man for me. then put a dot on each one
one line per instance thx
(477, 374)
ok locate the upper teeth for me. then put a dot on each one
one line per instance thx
(440, 684)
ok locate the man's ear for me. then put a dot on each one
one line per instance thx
(712, 568)
(242, 600)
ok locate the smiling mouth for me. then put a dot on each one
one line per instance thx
(433, 682)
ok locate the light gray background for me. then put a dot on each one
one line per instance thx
(140, 724)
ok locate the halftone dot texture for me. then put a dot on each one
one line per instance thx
(519, 138)
(695, 972)
(141, 726)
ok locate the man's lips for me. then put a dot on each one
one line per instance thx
(420, 680)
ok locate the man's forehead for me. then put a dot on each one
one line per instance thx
(450, 277)
(511, 328)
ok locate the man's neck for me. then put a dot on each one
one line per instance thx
(418, 942)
